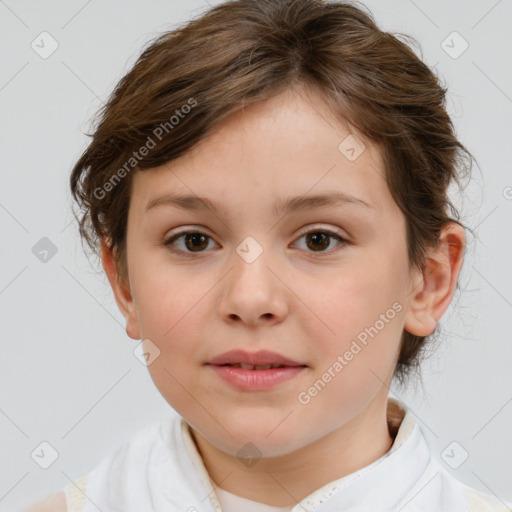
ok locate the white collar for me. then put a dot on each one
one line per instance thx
(160, 469)
(354, 486)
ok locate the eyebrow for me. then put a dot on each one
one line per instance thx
(283, 206)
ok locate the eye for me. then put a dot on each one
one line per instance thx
(197, 242)
(320, 239)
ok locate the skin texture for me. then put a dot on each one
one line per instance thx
(303, 300)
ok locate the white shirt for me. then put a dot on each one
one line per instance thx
(160, 470)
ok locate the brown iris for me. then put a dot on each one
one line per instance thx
(198, 241)
(318, 238)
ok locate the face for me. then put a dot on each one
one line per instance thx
(325, 284)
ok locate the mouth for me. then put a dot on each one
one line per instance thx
(246, 366)
(263, 359)
(248, 377)
(257, 371)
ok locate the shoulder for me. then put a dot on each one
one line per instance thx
(478, 501)
(133, 452)
(52, 503)
(70, 499)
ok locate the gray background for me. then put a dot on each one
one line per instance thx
(68, 375)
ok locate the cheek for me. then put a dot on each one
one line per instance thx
(355, 299)
(353, 363)
(172, 311)
(165, 295)
(364, 312)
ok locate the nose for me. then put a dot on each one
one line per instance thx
(254, 291)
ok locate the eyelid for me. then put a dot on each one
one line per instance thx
(320, 227)
(189, 229)
(307, 229)
(179, 232)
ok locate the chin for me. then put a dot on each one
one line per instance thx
(265, 435)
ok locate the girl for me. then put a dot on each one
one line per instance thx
(267, 188)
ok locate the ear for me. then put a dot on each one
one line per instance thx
(121, 291)
(433, 289)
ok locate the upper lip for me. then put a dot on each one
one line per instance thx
(263, 357)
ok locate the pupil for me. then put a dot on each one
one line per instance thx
(197, 238)
(318, 238)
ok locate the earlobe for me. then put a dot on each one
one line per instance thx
(433, 289)
(121, 290)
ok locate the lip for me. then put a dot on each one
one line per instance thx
(261, 357)
(254, 380)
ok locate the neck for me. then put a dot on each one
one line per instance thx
(285, 480)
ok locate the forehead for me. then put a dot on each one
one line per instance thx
(287, 145)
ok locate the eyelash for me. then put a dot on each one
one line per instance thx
(168, 243)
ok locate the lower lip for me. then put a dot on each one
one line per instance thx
(256, 380)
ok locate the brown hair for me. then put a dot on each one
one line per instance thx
(188, 80)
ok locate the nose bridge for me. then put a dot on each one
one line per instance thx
(250, 250)
(252, 290)
(250, 261)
